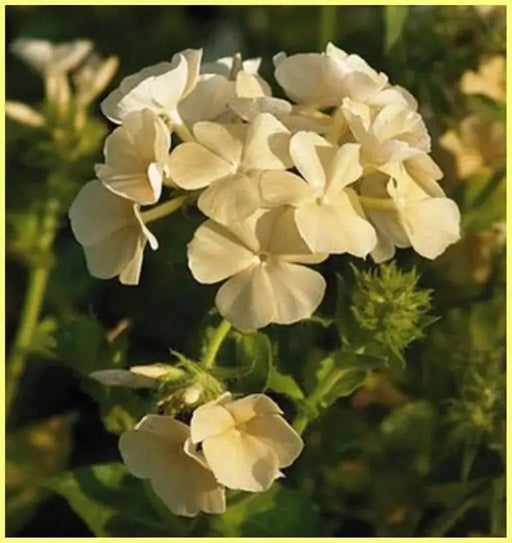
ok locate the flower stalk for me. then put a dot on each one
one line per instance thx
(216, 343)
(162, 210)
(37, 281)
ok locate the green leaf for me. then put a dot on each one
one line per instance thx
(110, 501)
(394, 18)
(120, 408)
(81, 344)
(253, 354)
(279, 512)
(43, 339)
(341, 374)
(284, 384)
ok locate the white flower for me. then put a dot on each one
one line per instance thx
(208, 101)
(45, 56)
(229, 67)
(323, 80)
(227, 159)
(410, 212)
(393, 134)
(489, 80)
(135, 157)
(260, 256)
(228, 85)
(111, 231)
(93, 77)
(159, 88)
(327, 213)
(157, 449)
(245, 441)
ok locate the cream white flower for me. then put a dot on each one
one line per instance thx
(157, 449)
(260, 256)
(323, 80)
(227, 159)
(327, 213)
(229, 67)
(45, 56)
(111, 231)
(245, 441)
(410, 212)
(135, 157)
(159, 88)
(392, 134)
(228, 85)
(93, 78)
(489, 80)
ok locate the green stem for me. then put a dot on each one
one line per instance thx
(300, 422)
(328, 24)
(303, 418)
(377, 203)
(163, 209)
(215, 343)
(37, 281)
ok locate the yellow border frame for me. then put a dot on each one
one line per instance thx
(508, 290)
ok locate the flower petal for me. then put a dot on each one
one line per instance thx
(266, 144)
(123, 378)
(146, 447)
(384, 250)
(215, 253)
(192, 166)
(312, 156)
(96, 213)
(115, 253)
(224, 140)
(209, 421)
(241, 462)
(431, 224)
(345, 168)
(246, 300)
(208, 101)
(254, 405)
(278, 435)
(335, 227)
(231, 199)
(297, 291)
(130, 275)
(310, 79)
(278, 188)
(155, 450)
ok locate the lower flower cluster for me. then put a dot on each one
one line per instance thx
(240, 444)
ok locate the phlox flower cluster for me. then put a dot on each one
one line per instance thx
(341, 165)
(240, 444)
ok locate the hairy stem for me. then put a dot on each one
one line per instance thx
(31, 309)
(303, 418)
(215, 344)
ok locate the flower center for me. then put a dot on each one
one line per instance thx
(263, 257)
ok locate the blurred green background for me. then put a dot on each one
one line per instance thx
(416, 453)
